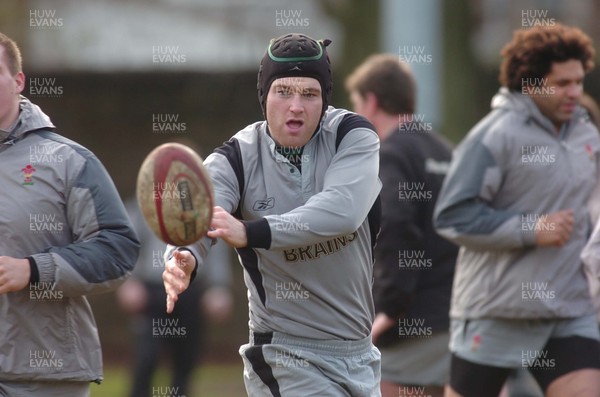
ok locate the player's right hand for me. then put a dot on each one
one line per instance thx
(225, 226)
(14, 274)
(554, 229)
(177, 274)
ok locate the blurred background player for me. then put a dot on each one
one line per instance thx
(521, 383)
(414, 266)
(64, 234)
(515, 199)
(592, 107)
(143, 296)
(591, 258)
(591, 253)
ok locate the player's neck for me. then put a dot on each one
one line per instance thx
(385, 124)
(10, 118)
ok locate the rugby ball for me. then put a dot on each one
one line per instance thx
(175, 194)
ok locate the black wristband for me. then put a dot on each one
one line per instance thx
(33, 269)
(258, 233)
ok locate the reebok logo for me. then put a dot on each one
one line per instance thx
(263, 205)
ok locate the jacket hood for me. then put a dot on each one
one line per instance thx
(517, 102)
(31, 118)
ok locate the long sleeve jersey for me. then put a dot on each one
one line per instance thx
(508, 174)
(309, 261)
(59, 207)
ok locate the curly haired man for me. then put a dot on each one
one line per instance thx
(515, 200)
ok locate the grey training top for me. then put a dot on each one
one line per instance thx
(309, 262)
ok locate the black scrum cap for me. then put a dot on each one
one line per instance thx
(295, 55)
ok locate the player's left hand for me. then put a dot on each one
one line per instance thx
(14, 274)
(177, 276)
(228, 228)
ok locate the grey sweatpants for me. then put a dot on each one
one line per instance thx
(281, 365)
(44, 389)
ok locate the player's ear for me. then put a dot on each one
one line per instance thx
(19, 82)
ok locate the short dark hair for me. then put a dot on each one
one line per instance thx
(12, 54)
(389, 79)
(531, 53)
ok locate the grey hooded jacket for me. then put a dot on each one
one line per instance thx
(511, 170)
(59, 207)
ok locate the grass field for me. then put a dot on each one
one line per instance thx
(223, 380)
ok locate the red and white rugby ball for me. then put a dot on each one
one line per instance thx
(175, 194)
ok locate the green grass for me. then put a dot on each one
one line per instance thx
(209, 380)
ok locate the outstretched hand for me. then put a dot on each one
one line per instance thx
(177, 274)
